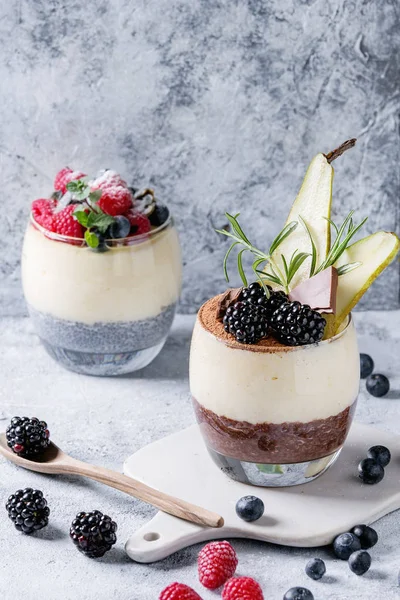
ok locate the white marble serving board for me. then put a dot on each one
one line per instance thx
(306, 516)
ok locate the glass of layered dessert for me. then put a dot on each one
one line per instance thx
(101, 271)
(274, 365)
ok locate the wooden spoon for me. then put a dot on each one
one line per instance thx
(54, 461)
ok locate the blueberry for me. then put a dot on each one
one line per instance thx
(366, 365)
(315, 568)
(345, 544)
(250, 508)
(120, 228)
(370, 471)
(367, 536)
(381, 454)
(159, 215)
(360, 562)
(378, 385)
(298, 593)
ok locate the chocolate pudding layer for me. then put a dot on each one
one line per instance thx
(274, 443)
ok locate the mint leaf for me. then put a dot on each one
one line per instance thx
(82, 217)
(91, 239)
(99, 220)
(79, 189)
(95, 195)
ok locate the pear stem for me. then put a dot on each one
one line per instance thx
(339, 151)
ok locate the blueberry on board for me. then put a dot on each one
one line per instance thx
(370, 471)
(315, 568)
(378, 385)
(366, 365)
(367, 536)
(381, 454)
(298, 593)
(360, 562)
(345, 544)
(250, 508)
(120, 228)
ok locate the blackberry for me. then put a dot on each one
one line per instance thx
(247, 322)
(93, 533)
(254, 294)
(27, 437)
(28, 510)
(296, 324)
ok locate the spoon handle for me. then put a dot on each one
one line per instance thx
(133, 487)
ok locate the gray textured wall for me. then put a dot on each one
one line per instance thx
(219, 105)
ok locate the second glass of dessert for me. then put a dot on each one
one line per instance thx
(274, 365)
(101, 271)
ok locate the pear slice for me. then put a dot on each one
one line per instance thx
(375, 252)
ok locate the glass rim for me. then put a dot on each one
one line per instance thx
(133, 239)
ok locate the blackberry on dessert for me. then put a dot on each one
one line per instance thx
(247, 322)
(27, 437)
(28, 510)
(294, 324)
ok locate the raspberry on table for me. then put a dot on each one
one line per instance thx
(242, 588)
(179, 591)
(64, 223)
(217, 562)
(140, 224)
(65, 176)
(115, 200)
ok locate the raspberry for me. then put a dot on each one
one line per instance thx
(108, 179)
(140, 224)
(179, 591)
(115, 200)
(42, 212)
(217, 562)
(65, 224)
(65, 176)
(242, 588)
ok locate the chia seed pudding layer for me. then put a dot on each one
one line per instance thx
(103, 337)
(273, 443)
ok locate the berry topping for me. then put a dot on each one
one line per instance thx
(27, 437)
(42, 212)
(360, 562)
(179, 591)
(367, 536)
(378, 385)
(93, 533)
(65, 176)
(247, 322)
(254, 294)
(366, 365)
(298, 593)
(140, 224)
(381, 454)
(295, 324)
(120, 228)
(108, 178)
(370, 471)
(242, 588)
(115, 200)
(217, 562)
(28, 510)
(315, 568)
(345, 544)
(250, 508)
(64, 223)
(159, 215)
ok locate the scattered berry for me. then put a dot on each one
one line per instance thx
(159, 215)
(247, 322)
(115, 200)
(250, 508)
(366, 365)
(140, 224)
(360, 562)
(179, 591)
(367, 536)
(378, 385)
(254, 294)
(93, 533)
(298, 593)
(370, 471)
(120, 228)
(64, 223)
(315, 568)
(27, 437)
(28, 510)
(242, 588)
(381, 454)
(296, 324)
(217, 562)
(65, 176)
(345, 544)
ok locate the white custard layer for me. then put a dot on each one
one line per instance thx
(126, 283)
(300, 384)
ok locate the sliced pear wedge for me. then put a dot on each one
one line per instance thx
(375, 252)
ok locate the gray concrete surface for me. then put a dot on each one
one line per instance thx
(103, 421)
(219, 105)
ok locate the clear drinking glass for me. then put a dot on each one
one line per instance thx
(102, 313)
(274, 415)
